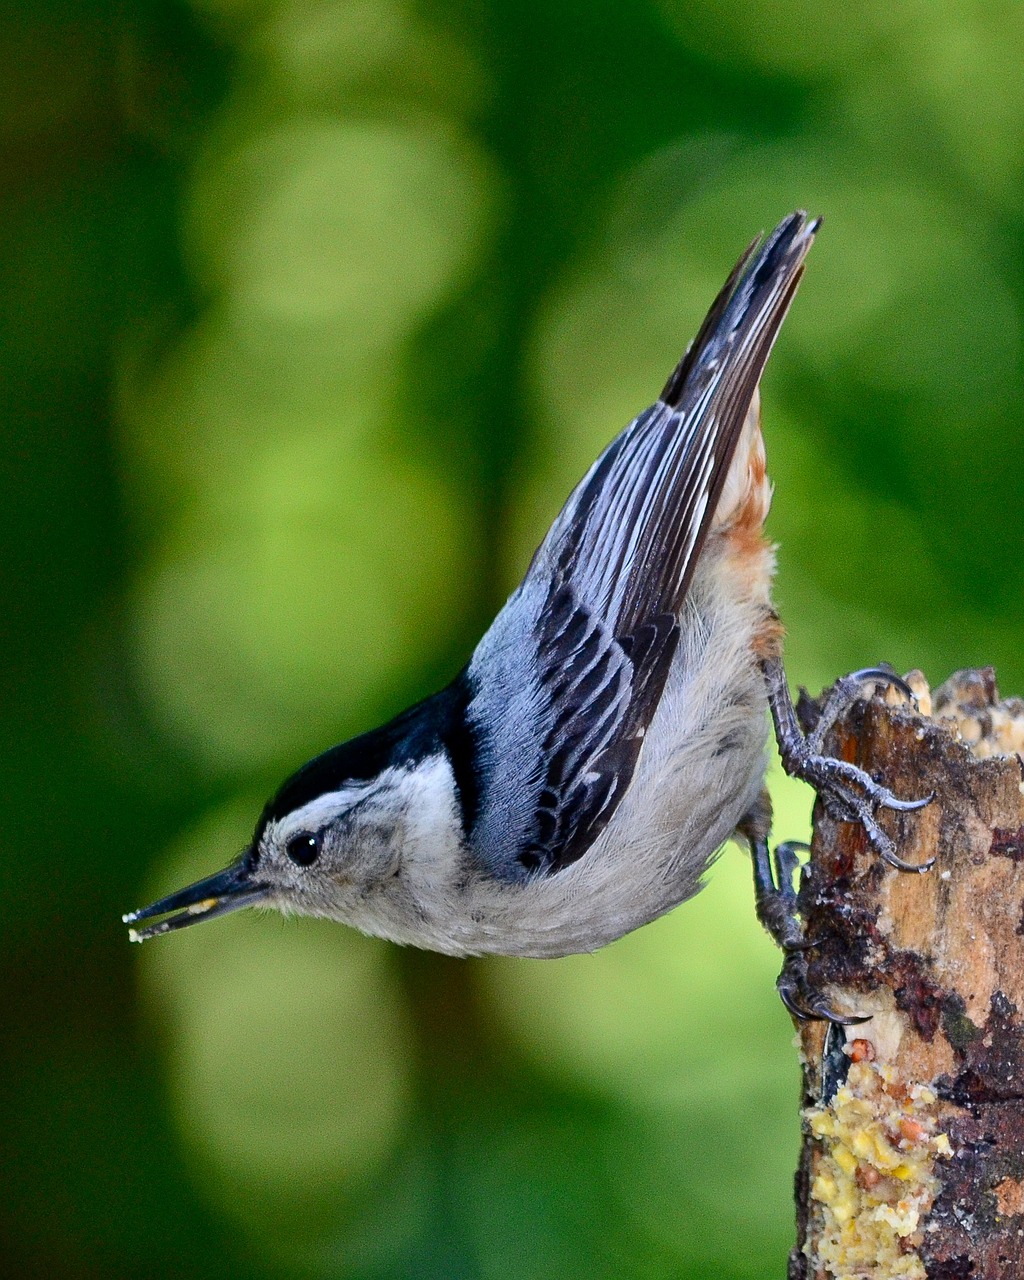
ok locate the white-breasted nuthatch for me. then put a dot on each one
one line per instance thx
(609, 733)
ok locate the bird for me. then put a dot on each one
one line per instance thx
(609, 734)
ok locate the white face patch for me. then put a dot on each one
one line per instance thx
(421, 799)
(425, 799)
(392, 850)
(316, 815)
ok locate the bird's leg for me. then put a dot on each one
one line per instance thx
(774, 894)
(775, 900)
(848, 793)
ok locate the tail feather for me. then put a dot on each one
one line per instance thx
(632, 531)
(750, 291)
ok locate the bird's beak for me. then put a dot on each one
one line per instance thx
(226, 891)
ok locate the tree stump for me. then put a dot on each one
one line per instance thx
(912, 1163)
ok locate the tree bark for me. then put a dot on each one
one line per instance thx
(912, 1163)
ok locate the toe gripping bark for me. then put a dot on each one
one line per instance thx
(848, 794)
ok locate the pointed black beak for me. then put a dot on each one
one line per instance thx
(226, 891)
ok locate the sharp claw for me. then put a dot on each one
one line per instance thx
(795, 1008)
(886, 850)
(905, 806)
(881, 795)
(923, 803)
(853, 776)
(803, 1001)
(819, 1011)
(842, 803)
(901, 864)
(827, 1014)
(887, 677)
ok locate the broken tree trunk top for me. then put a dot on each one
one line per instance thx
(930, 1179)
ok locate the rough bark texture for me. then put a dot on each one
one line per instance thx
(937, 959)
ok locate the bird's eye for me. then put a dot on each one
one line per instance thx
(303, 849)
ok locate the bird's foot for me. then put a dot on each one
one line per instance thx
(775, 898)
(848, 793)
(801, 998)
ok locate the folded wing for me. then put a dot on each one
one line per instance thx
(610, 579)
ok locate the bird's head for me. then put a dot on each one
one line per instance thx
(332, 833)
(314, 861)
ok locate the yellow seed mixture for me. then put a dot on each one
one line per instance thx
(988, 731)
(875, 1182)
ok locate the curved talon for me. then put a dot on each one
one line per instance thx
(819, 1011)
(825, 774)
(802, 1001)
(906, 806)
(887, 677)
(797, 1010)
(901, 864)
(826, 1014)
(860, 811)
(879, 793)
(855, 775)
(886, 850)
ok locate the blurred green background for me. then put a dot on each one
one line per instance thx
(312, 312)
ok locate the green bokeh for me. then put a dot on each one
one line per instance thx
(313, 311)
